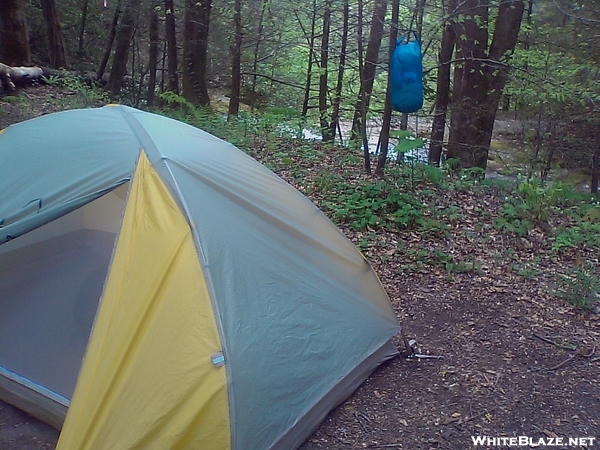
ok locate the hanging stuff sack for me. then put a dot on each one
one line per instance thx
(406, 76)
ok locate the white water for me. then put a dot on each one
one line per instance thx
(420, 154)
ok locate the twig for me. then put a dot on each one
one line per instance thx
(583, 19)
(542, 338)
(562, 363)
(275, 80)
(578, 353)
(384, 445)
(556, 344)
(591, 352)
(497, 379)
(363, 426)
(476, 416)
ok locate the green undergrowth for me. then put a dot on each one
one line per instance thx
(570, 219)
(580, 285)
(248, 131)
(422, 218)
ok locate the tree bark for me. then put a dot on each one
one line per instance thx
(122, 44)
(469, 85)
(442, 96)
(480, 77)
(595, 165)
(110, 42)
(362, 133)
(153, 57)
(384, 138)
(323, 87)
(84, 8)
(14, 41)
(506, 33)
(311, 44)
(337, 100)
(418, 18)
(195, 45)
(236, 59)
(11, 77)
(171, 37)
(56, 44)
(259, 39)
(275, 58)
(369, 68)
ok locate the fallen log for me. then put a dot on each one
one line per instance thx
(11, 77)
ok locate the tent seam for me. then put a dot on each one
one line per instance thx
(179, 198)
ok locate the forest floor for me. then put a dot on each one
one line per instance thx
(516, 359)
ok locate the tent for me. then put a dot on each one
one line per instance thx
(160, 289)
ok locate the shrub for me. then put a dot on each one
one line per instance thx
(580, 286)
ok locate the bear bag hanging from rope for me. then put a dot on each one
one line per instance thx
(406, 76)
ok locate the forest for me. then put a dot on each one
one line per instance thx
(479, 212)
(326, 62)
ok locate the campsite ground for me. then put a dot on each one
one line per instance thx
(517, 359)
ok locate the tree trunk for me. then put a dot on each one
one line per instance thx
(56, 44)
(479, 77)
(384, 138)
(323, 88)
(469, 85)
(552, 144)
(195, 45)
(14, 41)
(153, 57)
(171, 38)
(418, 18)
(362, 133)
(311, 45)
(122, 44)
(506, 33)
(442, 96)
(134, 50)
(259, 39)
(420, 12)
(109, 43)
(236, 62)
(595, 165)
(84, 8)
(337, 101)
(369, 68)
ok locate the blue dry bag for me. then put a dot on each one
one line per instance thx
(406, 76)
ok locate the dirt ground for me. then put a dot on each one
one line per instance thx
(503, 373)
(20, 431)
(516, 359)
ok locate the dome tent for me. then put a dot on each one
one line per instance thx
(161, 289)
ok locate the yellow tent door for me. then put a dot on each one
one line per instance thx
(148, 380)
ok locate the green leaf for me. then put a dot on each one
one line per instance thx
(409, 144)
(401, 134)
